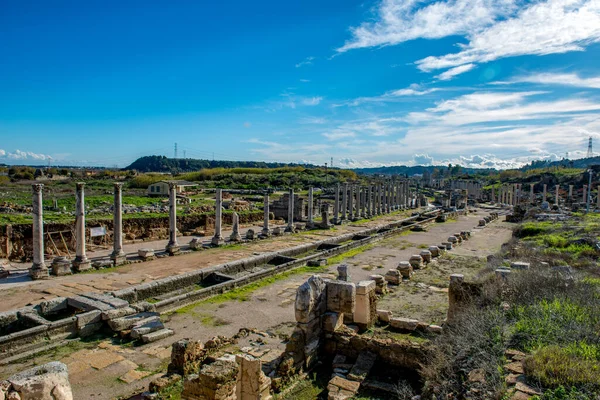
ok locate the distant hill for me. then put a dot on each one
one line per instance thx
(179, 165)
(579, 163)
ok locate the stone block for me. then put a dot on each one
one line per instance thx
(90, 317)
(435, 329)
(217, 380)
(519, 265)
(416, 261)
(405, 269)
(154, 336)
(196, 244)
(384, 315)
(426, 256)
(434, 250)
(332, 321)
(448, 245)
(380, 284)
(118, 313)
(310, 299)
(366, 287)
(45, 382)
(146, 254)
(110, 300)
(452, 240)
(86, 304)
(341, 296)
(362, 366)
(393, 277)
(53, 305)
(129, 321)
(146, 328)
(343, 273)
(252, 384)
(405, 324)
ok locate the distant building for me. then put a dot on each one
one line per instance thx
(162, 188)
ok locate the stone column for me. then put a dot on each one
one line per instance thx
(217, 239)
(509, 192)
(598, 198)
(544, 192)
(172, 246)
(363, 201)
(38, 270)
(235, 228)
(311, 208)
(81, 262)
(492, 194)
(350, 201)
(531, 193)
(570, 192)
(345, 202)
(118, 255)
(369, 200)
(556, 195)
(515, 194)
(266, 231)
(585, 193)
(336, 205)
(290, 223)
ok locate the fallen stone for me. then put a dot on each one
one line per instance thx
(154, 336)
(384, 315)
(362, 366)
(45, 382)
(341, 296)
(405, 324)
(332, 321)
(393, 277)
(149, 327)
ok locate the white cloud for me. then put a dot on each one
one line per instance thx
(306, 61)
(312, 101)
(422, 159)
(557, 79)
(452, 72)
(493, 28)
(304, 80)
(337, 135)
(24, 155)
(390, 96)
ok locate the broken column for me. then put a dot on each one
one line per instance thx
(290, 222)
(118, 255)
(365, 311)
(266, 231)
(585, 193)
(81, 262)
(218, 239)
(252, 384)
(235, 234)
(556, 194)
(172, 246)
(570, 192)
(456, 296)
(343, 273)
(38, 270)
(544, 191)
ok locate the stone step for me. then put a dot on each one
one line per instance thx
(154, 336)
(144, 329)
(129, 321)
(362, 366)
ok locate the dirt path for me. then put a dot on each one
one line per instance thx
(100, 370)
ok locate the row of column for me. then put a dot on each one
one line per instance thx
(511, 194)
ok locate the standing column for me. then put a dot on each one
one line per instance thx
(544, 193)
(556, 195)
(38, 270)
(361, 195)
(266, 230)
(311, 208)
(290, 223)
(369, 200)
(570, 192)
(531, 194)
(387, 197)
(217, 239)
(350, 201)
(398, 194)
(515, 193)
(598, 198)
(492, 192)
(81, 262)
(585, 193)
(345, 201)
(336, 206)
(118, 255)
(172, 246)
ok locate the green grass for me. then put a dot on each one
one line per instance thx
(561, 393)
(348, 254)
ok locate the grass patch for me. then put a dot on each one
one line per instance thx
(348, 254)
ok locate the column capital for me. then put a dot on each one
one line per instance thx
(172, 185)
(80, 185)
(118, 185)
(37, 187)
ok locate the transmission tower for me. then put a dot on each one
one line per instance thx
(176, 151)
(590, 153)
(331, 162)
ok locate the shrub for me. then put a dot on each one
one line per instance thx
(553, 366)
(560, 393)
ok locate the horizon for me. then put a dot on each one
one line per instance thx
(497, 84)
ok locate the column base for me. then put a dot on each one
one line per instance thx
(118, 258)
(265, 233)
(39, 272)
(235, 237)
(80, 265)
(217, 241)
(290, 229)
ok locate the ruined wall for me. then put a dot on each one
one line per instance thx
(16, 242)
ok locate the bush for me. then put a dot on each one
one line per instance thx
(553, 366)
(560, 393)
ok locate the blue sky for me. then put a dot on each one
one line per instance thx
(493, 83)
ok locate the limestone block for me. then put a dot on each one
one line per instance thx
(405, 269)
(362, 366)
(380, 284)
(416, 261)
(458, 237)
(343, 273)
(448, 245)
(310, 299)
(340, 388)
(452, 240)
(405, 324)
(426, 256)
(157, 335)
(341, 296)
(332, 321)
(252, 384)
(311, 329)
(196, 244)
(519, 265)
(45, 382)
(434, 329)
(366, 287)
(143, 329)
(53, 305)
(61, 266)
(90, 317)
(393, 277)
(250, 234)
(384, 315)
(215, 381)
(146, 254)
(434, 250)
